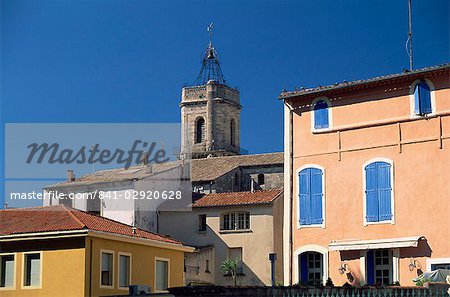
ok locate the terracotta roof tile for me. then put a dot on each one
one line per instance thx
(238, 198)
(363, 82)
(63, 218)
(206, 169)
(211, 168)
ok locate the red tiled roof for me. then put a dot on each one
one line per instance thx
(238, 198)
(63, 218)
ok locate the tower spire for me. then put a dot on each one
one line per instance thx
(210, 69)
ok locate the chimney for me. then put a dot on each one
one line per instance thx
(252, 185)
(70, 175)
(5, 205)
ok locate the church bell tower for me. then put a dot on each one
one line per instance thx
(210, 111)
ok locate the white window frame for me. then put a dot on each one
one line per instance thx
(412, 100)
(168, 274)
(15, 272)
(323, 197)
(392, 220)
(431, 261)
(112, 269)
(118, 269)
(24, 269)
(310, 248)
(330, 116)
(236, 221)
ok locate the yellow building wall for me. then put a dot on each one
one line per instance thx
(62, 275)
(142, 265)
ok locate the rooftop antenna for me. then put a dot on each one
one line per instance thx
(409, 44)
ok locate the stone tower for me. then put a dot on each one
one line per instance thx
(210, 112)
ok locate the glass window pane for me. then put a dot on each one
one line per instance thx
(124, 276)
(32, 270)
(7, 271)
(107, 273)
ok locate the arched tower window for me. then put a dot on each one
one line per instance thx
(232, 132)
(200, 130)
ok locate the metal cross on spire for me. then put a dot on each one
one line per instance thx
(210, 31)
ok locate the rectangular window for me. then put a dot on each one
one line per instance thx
(311, 196)
(202, 222)
(243, 220)
(437, 266)
(236, 221)
(235, 254)
(107, 269)
(229, 221)
(32, 270)
(378, 192)
(124, 270)
(162, 275)
(7, 272)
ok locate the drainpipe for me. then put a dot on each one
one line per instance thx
(291, 170)
(90, 267)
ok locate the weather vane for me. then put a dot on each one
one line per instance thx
(210, 31)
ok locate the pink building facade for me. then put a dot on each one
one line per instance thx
(367, 179)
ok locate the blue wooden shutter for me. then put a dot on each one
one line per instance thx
(424, 97)
(371, 193)
(370, 268)
(305, 194)
(321, 115)
(303, 268)
(416, 100)
(384, 191)
(316, 196)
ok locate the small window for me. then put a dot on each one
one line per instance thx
(32, 270)
(107, 269)
(236, 221)
(200, 130)
(311, 196)
(235, 254)
(202, 222)
(232, 133)
(261, 179)
(162, 275)
(437, 266)
(378, 192)
(422, 98)
(321, 117)
(207, 266)
(7, 273)
(124, 271)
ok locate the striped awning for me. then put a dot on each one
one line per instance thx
(387, 243)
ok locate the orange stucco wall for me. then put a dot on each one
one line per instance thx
(420, 153)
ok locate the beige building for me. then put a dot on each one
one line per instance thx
(243, 226)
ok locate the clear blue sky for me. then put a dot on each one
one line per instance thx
(126, 61)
